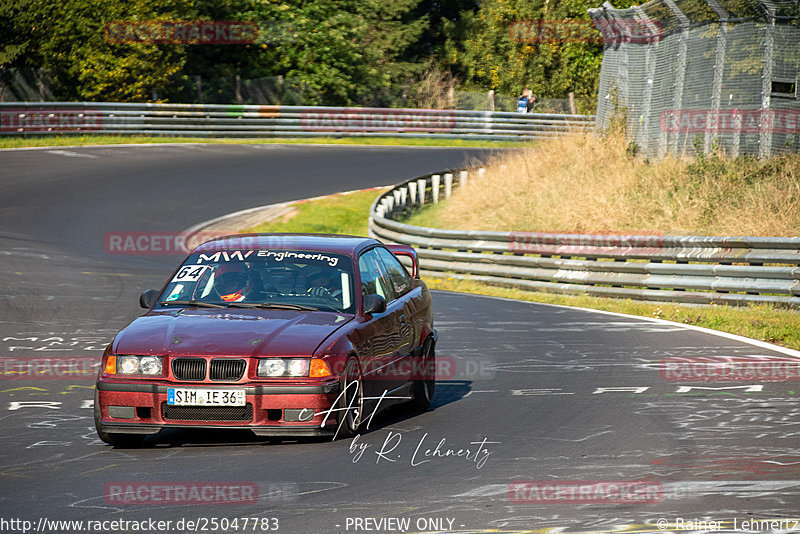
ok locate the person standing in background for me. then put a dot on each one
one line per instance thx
(523, 100)
(532, 99)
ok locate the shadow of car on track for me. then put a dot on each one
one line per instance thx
(447, 391)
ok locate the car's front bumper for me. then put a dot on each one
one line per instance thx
(128, 407)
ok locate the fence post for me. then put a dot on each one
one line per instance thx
(448, 184)
(670, 139)
(766, 126)
(719, 72)
(650, 60)
(435, 188)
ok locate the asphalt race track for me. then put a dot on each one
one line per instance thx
(533, 393)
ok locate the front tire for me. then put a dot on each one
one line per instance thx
(351, 400)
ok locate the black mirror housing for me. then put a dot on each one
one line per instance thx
(148, 298)
(374, 304)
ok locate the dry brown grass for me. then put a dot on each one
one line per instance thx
(588, 184)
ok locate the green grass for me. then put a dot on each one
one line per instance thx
(429, 215)
(335, 214)
(347, 214)
(79, 140)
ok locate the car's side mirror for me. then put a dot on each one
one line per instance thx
(374, 304)
(148, 298)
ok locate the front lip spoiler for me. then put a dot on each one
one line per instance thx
(128, 387)
(150, 429)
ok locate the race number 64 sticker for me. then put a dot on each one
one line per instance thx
(189, 273)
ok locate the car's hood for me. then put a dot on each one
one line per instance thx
(228, 332)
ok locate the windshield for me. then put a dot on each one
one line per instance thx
(289, 279)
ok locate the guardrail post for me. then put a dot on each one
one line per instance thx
(448, 184)
(481, 172)
(435, 187)
(412, 190)
(404, 196)
(421, 186)
(462, 178)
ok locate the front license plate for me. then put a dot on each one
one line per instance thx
(205, 397)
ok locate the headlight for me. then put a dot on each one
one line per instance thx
(128, 365)
(272, 367)
(139, 365)
(298, 367)
(150, 365)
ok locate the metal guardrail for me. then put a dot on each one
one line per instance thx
(688, 269)
(43, 118)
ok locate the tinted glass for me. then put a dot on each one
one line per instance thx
(401, 281)
(374, 279)
(248, 278)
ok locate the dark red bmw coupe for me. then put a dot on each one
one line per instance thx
(281, 334)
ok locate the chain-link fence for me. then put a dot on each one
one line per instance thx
(698, 76)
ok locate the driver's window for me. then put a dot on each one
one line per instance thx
(373, 276)
(399, 278)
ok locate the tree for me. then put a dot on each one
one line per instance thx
(341, 52)
(66, 39)
(487, 53)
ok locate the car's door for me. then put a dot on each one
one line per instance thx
(379, 337)
(407, 301)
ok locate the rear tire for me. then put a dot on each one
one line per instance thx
(424, 387)
(123, 441)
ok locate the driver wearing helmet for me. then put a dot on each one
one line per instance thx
(323, 282)
(232, 282)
